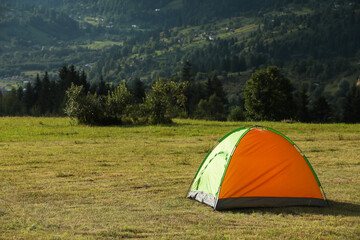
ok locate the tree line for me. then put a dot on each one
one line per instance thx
(268, 95)
(45, 96)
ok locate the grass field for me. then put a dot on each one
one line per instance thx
(64, 181)
(96, 45)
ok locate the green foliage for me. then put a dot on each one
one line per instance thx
(137, 88)
(118, 102)
(236, 114)
(322, 111)
(74, 99)
(302, 105)
(352, 106)
(285, 33)
(45, 96)
(11, 104)
(166, 99)
(268, 95)
(85, 108)
(211, 109)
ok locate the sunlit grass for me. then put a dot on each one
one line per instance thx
(63, 181)
(96, 45)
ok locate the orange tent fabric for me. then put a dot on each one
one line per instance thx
(274, 168)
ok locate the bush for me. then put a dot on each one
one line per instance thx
(118, 104)
(166, 100)
(236, 114)
(212, 109)
(87, 109)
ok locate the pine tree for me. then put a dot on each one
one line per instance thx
(103, 88)
(321, 111)
(352, 106)
(192, 92)
(44, 95)
(1, 104)
(186, 72)
(215, 86)
(29, 98)
(63, 75)
(302, 105)
(138, 91)
(83, 82)
(11, 103)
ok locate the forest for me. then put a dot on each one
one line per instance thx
(314, 43)
(268, 96)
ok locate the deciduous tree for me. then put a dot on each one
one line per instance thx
(268, 95)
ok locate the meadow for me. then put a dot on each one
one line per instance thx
(60, 180)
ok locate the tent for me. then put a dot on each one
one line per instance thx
(256, 167)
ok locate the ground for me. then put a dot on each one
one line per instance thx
(60, 180)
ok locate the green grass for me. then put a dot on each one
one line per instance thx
(96, 45)
(64, 181)
(92, 21)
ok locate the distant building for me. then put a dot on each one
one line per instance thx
(88, 66)
(212, 38)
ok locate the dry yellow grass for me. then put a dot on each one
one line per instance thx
(63, 181)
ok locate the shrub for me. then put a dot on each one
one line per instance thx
(165, 100)
(118, 104)
(212, 109)
(236, 114)
(87, 109)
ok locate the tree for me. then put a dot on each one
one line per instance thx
(302, 102)
(192, 92)
(86, 109)
(164, 100)
(186, 72)
(44, 97)
(211, 109)
(83, 82)
(1, 104)
(11, 104)
(321, 111)
(138, 90)
(103, 88)
(352, 105)
(117, 102)
(215, 86)
(236, 114)
(268, 95)
(29, 98)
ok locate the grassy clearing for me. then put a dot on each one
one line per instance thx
(64, 181)
(96, 45)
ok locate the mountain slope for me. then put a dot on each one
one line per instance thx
(315, 42)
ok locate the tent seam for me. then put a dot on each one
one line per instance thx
(227, 165)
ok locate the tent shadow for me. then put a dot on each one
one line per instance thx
(333, 208)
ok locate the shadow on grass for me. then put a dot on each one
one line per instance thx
(334, 208)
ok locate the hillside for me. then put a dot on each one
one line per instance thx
(315, 42)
